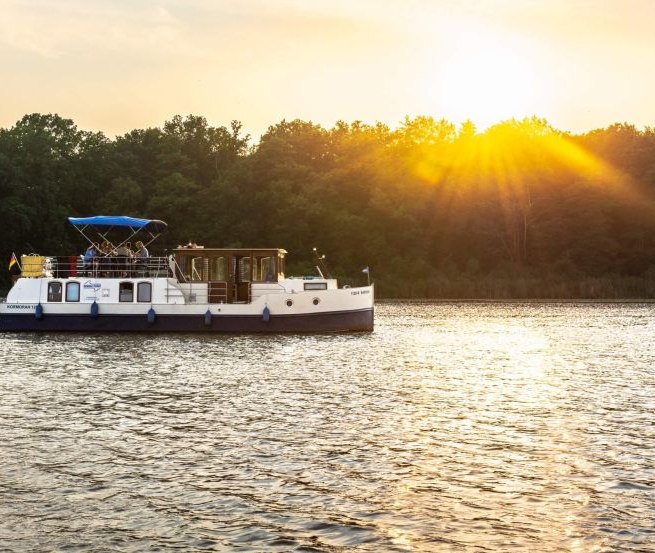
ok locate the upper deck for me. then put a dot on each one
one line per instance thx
(212, 275)
(37, 266)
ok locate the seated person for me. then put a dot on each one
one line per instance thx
(141, 250)
(89, 258)
(106, 251)
(124, 255)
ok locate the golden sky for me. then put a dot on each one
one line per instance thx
(124, 64)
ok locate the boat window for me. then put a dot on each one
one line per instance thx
(255, 268)
(182, 263)
(72, 291)
(266, 269)
(199, 266)
(54, 291)
(244, 270)
(217, 269)
(144, 292)
(126, 292)
(315, 286)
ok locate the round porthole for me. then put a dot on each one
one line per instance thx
(289, 303)
(316, 301)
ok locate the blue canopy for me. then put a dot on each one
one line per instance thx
(118, 221)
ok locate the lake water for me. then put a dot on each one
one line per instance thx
(452, 427)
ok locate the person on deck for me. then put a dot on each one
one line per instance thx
(141, 250)
(125, 255)
(106, 251)
(142, 256)
(89, 259)
(106, 263)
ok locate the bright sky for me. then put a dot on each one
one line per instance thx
(124, 64)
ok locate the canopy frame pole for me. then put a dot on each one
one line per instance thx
(81, 231)
(98, 223)
(153, 237)
(104, 235)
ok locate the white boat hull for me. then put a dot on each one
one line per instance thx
(331, 310)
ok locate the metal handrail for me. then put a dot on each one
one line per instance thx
(110, 267)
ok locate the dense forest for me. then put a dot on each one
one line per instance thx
(520, 210)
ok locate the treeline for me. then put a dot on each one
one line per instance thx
(521, 210)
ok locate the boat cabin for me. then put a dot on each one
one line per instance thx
(229, 273)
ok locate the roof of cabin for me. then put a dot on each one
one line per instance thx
(200, 249)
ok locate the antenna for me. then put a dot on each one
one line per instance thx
(321, 265)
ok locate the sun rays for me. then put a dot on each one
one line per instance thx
(504, 156)
(521, 171)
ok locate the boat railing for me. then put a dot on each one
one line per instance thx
(197, 293)
(109, 267)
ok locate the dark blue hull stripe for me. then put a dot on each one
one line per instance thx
(343, 321)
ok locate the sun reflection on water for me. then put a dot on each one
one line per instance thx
(452, 427)
(493, 415)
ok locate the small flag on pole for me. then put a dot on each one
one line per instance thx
(365, 270)
(13, 261)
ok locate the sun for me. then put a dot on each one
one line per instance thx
(488, 77)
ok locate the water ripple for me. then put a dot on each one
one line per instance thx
(453, 427)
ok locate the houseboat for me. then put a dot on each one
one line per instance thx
(193, 289)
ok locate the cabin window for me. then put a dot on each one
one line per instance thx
(126, 292)
(72, 291)
(217, 269)
(233, 267)
(266, 268)
(182, 263)
(144, 292)
(199, 268)
(54, 291)
(244, 270)
(315, 286)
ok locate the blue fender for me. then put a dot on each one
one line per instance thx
(94, 310)
(151, 315)
(266, 314)
(208, 318)
(38, 312)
